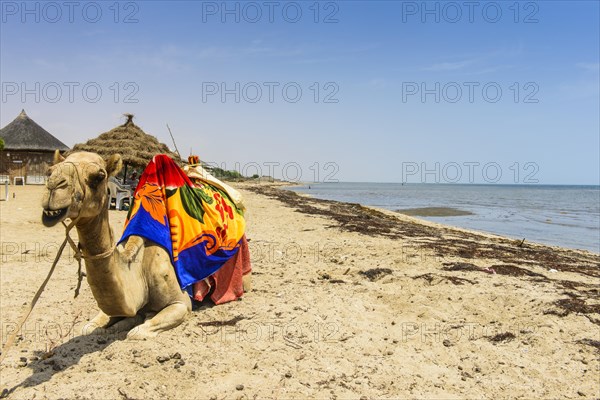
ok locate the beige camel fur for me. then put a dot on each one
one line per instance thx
(132, 285)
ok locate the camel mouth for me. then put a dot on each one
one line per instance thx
(53, 217)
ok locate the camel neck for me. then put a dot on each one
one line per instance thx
(95, 234)
(106, 276)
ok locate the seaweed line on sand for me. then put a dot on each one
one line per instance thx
(444, 241)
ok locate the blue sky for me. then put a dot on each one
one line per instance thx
(371, 61)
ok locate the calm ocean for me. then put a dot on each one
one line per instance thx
(567, 216)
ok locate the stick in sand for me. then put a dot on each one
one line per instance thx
(11, 339)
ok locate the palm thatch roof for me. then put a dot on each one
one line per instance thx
(135, 146)
(24, 134)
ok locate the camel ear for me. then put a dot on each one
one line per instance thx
(58, 158)
(114, 164)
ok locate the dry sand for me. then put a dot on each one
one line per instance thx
(348, 302)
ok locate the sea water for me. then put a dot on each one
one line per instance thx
(567, 216)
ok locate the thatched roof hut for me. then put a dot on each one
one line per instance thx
(28, 151)
(24, 134)
(135, 146)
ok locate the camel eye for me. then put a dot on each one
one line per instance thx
(96, 178)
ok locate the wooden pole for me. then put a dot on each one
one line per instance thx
(125, 174)
(173, 139)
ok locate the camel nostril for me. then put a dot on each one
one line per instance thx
(57, 183)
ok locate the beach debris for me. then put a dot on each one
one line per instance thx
(48, 362)
(465, 375)
(239, 387)
(459, 281)
(501, 337)
(590, 342)
(289, 342)
(431, 279)
(124, 394)
(513, 270)
(375, 274)
(500, 269)
(460, 267)
(552, 270)
(231, 322)
(575, 305)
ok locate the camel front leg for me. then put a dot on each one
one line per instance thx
(169, 317)
(125, 324)
(99, 323)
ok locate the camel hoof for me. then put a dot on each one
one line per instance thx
(140, 333)
(92, 329)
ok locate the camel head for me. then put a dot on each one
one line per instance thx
(77, 186)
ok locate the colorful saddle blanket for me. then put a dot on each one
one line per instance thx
(198, 225)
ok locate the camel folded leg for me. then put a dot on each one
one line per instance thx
(169, 317)
(99, 323)
(125, 324)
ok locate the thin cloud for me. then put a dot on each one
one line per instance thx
(478, 63)
(450, 66)
(589, 66)
(377, 83)
(50, 65)
(579, 89)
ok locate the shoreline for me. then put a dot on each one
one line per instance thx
(348, 302)
(474, 234)
(447, 212)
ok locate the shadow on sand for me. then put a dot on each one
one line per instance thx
(62, 357)
(70, 353)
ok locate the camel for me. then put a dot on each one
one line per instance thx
(135, 284)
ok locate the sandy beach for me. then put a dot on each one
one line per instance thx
(348, 302)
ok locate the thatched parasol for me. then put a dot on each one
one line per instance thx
(134, 145)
